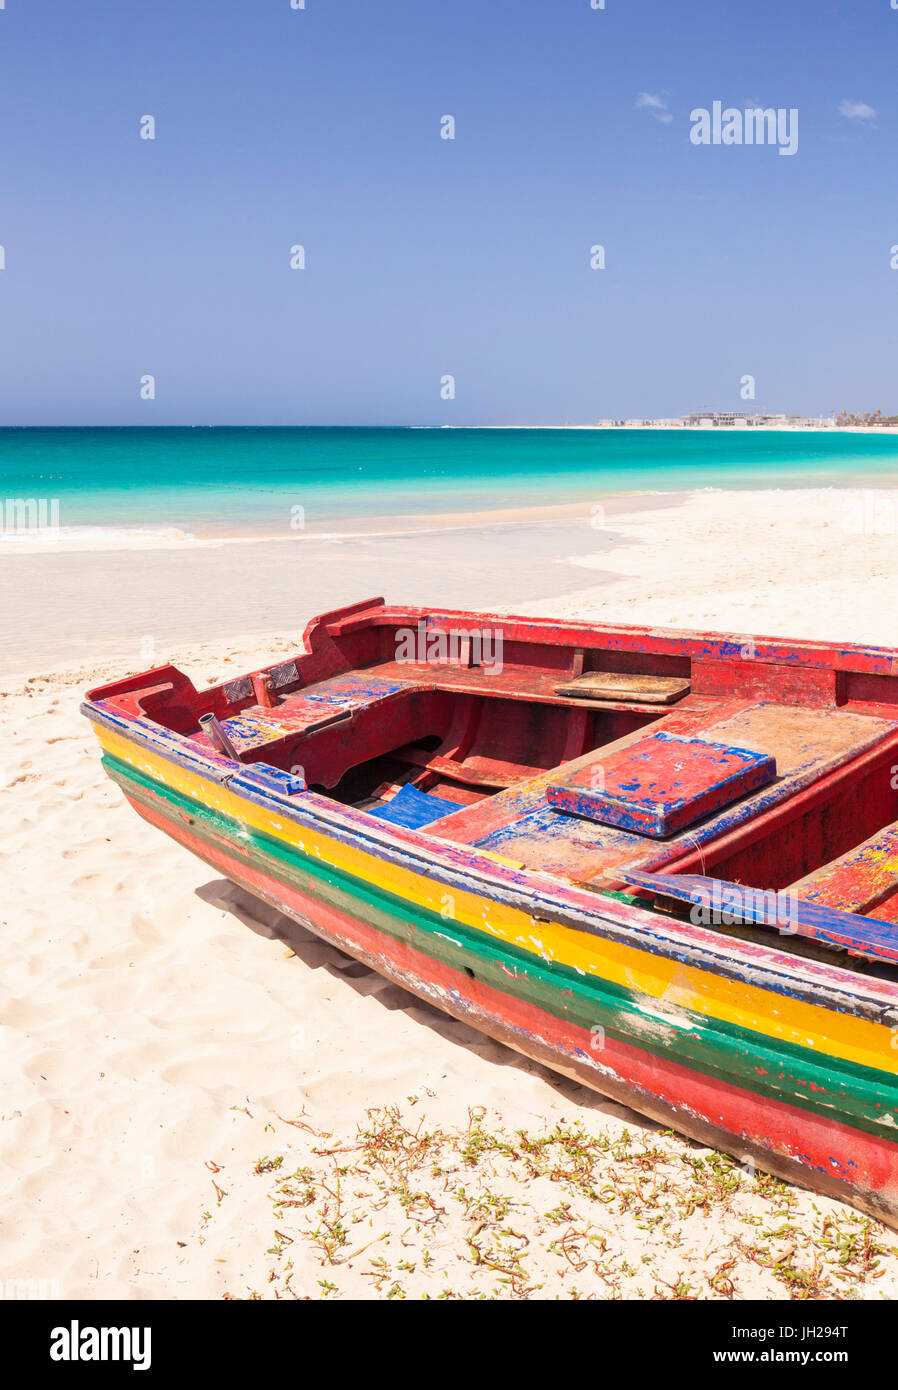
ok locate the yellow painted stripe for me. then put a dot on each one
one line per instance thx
(824, 1031)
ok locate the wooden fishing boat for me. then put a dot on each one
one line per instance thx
(662, 863)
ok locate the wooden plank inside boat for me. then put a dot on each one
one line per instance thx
(844, 931)
(661, 784)
(625, 685)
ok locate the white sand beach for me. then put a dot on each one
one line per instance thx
(185, 1076)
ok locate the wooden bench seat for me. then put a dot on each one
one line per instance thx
(522, 824)
(523, 685)
(661, 784)
(313, 708)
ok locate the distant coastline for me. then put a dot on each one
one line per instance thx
(816, 427)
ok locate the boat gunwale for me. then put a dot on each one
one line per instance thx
(534, 892)
(858, 658)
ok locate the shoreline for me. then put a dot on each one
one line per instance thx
(813, 562)
(123, 537)
(358, 527)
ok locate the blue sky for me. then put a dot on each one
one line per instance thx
(426, 257)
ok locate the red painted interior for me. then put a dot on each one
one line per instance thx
(359, 718)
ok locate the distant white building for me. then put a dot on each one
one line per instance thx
(726, 419)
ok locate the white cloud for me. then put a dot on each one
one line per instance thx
(856, 110)
(656, 105)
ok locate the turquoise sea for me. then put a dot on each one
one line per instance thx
(232, 480)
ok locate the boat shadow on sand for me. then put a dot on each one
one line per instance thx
(315, 953)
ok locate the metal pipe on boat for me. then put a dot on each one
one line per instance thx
(216, 734)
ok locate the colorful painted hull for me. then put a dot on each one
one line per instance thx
(786, 1062)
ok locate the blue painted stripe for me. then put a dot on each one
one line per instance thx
(847, 931)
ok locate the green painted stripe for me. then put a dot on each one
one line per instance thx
(832, 1087)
